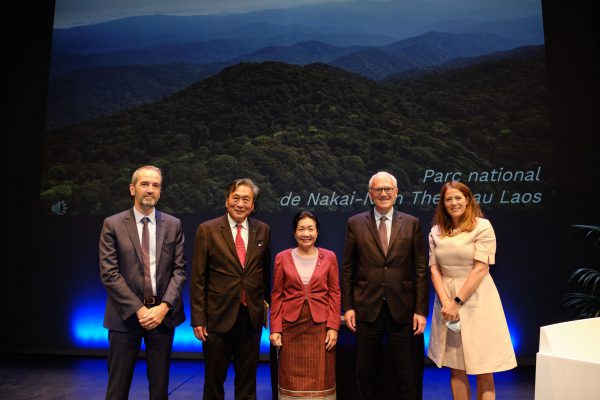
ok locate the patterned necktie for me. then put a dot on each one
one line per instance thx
(148, 295)
(241, 252)
(383, 234)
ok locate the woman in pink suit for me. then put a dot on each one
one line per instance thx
(305, 314)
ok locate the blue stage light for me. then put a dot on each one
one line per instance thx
(88, 333)
(426, 333)
(265, 345)
(514, 335)
(185, 340)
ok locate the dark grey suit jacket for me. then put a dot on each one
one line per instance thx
(218, 277)
(122, 270)
(368, 275)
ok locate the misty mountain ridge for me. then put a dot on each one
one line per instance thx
(147, 31)
(424, 51)
(93, 92)
(367, 21)
(462, 62)
(230, 46)
(299, 53)
(523, 31)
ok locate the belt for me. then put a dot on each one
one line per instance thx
(150, 303)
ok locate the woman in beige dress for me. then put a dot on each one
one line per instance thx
(469, 333)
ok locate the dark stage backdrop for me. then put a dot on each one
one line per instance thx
(309, 100)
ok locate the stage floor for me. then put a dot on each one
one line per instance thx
(69, 377)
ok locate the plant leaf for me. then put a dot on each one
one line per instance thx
(588, 279)
(584, 305)
(590, 231)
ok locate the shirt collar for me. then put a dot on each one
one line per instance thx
(138, 216)
(232, 223)
(378, 216)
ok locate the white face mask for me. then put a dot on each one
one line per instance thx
(454, 326)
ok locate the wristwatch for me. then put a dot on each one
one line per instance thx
(458, 301)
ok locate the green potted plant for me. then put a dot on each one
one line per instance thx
(585, 302)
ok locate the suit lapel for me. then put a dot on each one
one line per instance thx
(396, 225)
(228, 237)
(292, 266)
(131, 225)
(161, 231)
(320, 258)
(372, 228)
(250, 250)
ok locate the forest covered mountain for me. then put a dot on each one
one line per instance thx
(98, 91)
(306, 129)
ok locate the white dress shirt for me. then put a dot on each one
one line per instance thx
(233, 226)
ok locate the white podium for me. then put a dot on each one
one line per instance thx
(568, 362)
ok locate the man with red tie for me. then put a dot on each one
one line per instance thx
(230, 282)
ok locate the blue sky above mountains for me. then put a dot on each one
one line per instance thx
(70, 13)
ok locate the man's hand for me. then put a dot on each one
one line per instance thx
(419, 322)
(350, 318)
(150, 318)
(201, 333)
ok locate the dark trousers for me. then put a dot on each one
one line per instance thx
(243, 343)
(406, 353)
(124, 348)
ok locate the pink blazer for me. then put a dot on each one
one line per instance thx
(322, 291)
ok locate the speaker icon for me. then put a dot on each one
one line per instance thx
(59, 208)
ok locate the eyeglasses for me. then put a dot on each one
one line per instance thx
(378, 191)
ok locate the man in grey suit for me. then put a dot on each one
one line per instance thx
(229, 285)
(385, 291)
(142, 267)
